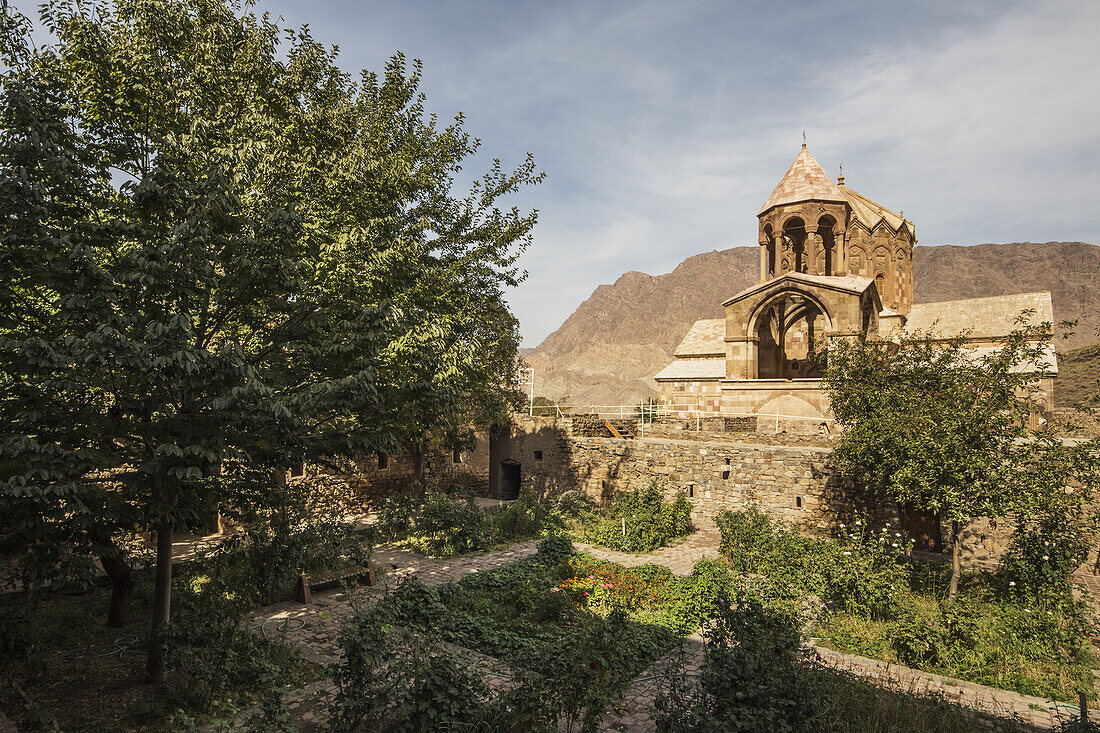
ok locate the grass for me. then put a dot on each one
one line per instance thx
(1025, 646)
(74, 673)
(852, 704)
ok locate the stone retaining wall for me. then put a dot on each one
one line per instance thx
(796, 484)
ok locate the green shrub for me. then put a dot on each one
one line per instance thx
(1046, 550)
(574, 503)
(641, 521)
(695, 598)
(261, 564)
(863, 572)
(441, 525)
(405, 682)
(555, 549)
(214, 657)
(754, 675)
(920, 641)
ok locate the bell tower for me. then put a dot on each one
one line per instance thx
(813, 226)
(801, 225)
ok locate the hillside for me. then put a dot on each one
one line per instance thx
(607, 349)
(1078, 376)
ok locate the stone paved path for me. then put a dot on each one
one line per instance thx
(314, 631)
(679, 558)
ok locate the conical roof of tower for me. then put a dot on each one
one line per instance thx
(803, 181)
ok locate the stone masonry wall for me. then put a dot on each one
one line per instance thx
(793, 483)
(366, 480)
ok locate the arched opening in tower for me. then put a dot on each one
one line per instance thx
(771, 249)
(827, 259)
(794, 256)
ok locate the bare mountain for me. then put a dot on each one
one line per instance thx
(607, 350)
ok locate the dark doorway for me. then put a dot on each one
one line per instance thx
(509, 480)
(924, 529)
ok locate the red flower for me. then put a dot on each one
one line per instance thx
(591, 665)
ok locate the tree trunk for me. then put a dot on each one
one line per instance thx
(418, 461)
(956, 563)
(122, 582)
(156, 669)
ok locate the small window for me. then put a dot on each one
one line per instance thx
(383, 461)
(538, 455)
(456, 457)
(798, 502)
(298, 470)
(691, 491)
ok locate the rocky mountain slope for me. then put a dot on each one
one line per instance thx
(608, 348)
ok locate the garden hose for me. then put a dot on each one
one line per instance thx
(123, 644)
(282, 626)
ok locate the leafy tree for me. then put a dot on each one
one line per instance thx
(222, 254)
(943, 428)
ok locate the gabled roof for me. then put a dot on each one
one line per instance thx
(692, 369)
(994, 316)
(982, 318)
(803, 181)
(870, 213)
(846, 283)
(706, 337)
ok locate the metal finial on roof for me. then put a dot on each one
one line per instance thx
(803, 137)
(840, 178)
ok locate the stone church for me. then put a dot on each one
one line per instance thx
(833, 264)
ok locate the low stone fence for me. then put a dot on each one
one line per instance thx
(595, 426)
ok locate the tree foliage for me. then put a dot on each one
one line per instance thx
(946, 428)
(223, 253)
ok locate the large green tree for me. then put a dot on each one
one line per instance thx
(941, 427)
(221, 253)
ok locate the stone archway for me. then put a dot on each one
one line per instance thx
(789, 329)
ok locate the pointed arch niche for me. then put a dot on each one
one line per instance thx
(788, 330)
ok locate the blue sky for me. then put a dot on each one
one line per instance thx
(663, 126)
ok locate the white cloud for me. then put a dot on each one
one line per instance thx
(663, 126)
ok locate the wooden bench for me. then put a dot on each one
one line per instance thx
(303, 593)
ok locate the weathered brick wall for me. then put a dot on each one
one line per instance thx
(792, 483)
(730, 429)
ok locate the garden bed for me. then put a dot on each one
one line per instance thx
(639, 521)
(875, 603)
(63, 668)
(567, 614)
